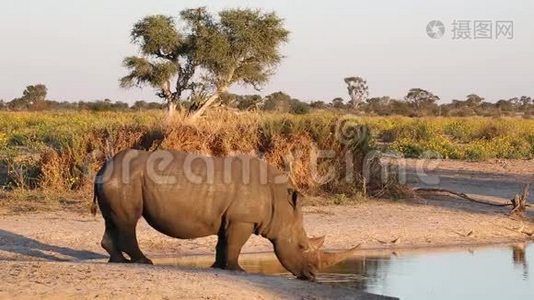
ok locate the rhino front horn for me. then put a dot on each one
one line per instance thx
(328, 259)
(317, 242)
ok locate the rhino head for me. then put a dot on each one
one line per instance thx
(300, 255)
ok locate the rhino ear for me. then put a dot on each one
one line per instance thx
(294, 197)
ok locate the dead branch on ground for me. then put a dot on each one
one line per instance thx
(518, 203)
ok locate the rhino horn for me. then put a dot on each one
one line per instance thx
(327, 259)
(316, 242)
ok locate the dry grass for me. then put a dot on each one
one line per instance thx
(28, 201)
(60, 152)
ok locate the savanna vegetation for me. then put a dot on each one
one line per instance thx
(192, 62)
(61, 150)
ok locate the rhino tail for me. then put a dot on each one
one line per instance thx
(94, 206)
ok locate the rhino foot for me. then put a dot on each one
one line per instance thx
(228, 267)
(236, 268)
(118, 260)
(143, 260)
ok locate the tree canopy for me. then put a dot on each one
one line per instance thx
(35, 93)
(420, 98)
(358, 90)
(33, 97)
(206, 56)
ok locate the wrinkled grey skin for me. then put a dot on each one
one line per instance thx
(230, 207)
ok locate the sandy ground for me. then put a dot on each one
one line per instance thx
(57, 254)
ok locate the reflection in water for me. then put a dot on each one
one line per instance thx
(520, 258)
(414, 274)
(357, 272)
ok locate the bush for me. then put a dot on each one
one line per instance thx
(457, 138)
(62, 150)
(299, 108)
(67, 148)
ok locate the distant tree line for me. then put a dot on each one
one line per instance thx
(97, 105)
(417, 103)
(34, 99)
(420, 103)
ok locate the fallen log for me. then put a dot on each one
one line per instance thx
(461, 195)
(518, 203)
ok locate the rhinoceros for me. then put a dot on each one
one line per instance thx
(187, 196)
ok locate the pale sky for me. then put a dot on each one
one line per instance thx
(76, 47)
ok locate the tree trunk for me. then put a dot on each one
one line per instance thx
(519, 202)
(171, 109)
(221, 88)
(195, 114)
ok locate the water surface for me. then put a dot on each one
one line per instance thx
(497, 272)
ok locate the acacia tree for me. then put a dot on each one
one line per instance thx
(205, 57)
(164, 59)
(473, 100)
(241, 46)
(358, 90)
(420, 98)
(525, 100)
(33, 97)
(35, 93)
(279, 102)
(338, 102)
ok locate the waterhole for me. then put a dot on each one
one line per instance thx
(490, 272)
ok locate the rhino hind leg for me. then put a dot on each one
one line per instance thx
(229, 245)
(128, 243)
(109, 243)
(220, 251)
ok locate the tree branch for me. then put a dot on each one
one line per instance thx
(160, 54)
(204, 106)
(184, 77)
(222, 87)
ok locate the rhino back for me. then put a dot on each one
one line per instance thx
(189, 196)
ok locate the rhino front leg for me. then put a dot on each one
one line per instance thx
(238, 235)
(229, 245)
